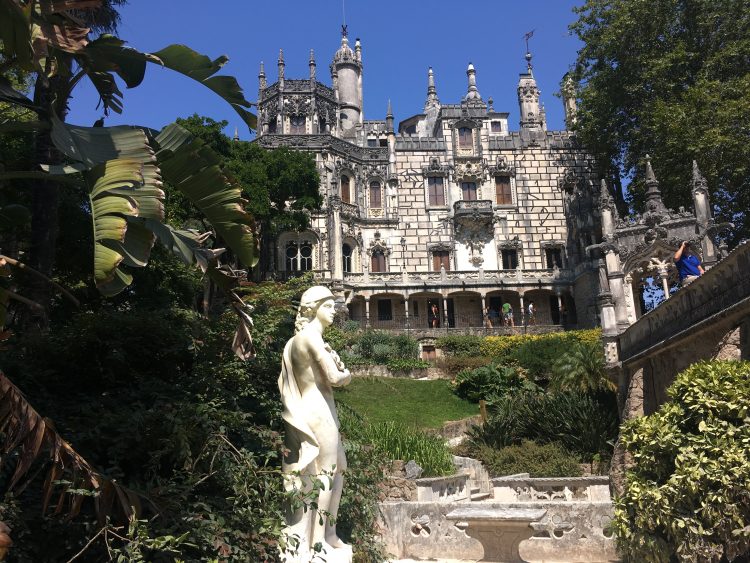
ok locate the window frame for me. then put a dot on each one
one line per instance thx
(297, 124)
(510, 252)
(378, 257)
(348, 192)
(465, 188)
(375, 187)
(441, 259)
(509, 193)
(432, 190)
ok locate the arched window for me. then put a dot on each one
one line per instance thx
(346, 193)
(376, 198)
(346, 253)
(465, 138)
(299, 257)
(297, 123)
(377, 262)
(469, 191)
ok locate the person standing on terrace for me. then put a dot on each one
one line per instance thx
(688, 264)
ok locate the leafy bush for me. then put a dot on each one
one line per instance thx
(582, 368)
(687, 492)
(585, 425)
(460, 345)
(536, 352)
(538, 460)
(453, 365)
(407, 364)
(400, 441)
(490, 382)
(373, 346)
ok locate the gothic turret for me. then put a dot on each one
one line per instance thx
(432, 97)
(311, 63)
(262, 77)
(528, 99)
(346, 71)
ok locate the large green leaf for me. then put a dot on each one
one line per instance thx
(118, 190)
(201, 68)
(193, 168)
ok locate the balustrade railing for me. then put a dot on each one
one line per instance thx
(472, 206)
(724, 285)
(472, 321)
(526, 277)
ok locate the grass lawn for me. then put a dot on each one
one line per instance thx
(426, 404)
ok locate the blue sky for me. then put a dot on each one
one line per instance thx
(400, 39)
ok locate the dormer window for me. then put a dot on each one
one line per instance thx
(496, 126)
(465, 138)
(297, 124)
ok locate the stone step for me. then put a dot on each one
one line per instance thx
(479, 496)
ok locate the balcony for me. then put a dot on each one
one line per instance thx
(477, 208)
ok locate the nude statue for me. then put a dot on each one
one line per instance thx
(310, 369)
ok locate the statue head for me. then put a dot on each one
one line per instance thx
(309, 304)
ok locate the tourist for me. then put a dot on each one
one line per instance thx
(487, 319)
(434, 316)
(688, 265)
(494, 317)
(531, 319)
(508, 314)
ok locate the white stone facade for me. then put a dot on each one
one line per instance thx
(453, 209)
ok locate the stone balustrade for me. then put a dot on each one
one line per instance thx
(522, 488)
(525, 277)
(721, 288)
(449, 488)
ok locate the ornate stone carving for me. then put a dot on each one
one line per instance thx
(435, 168)
(468, 171)
(297, 105)
(502, 167)
(377, 244)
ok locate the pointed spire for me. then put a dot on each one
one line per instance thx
(472, 94)
(654, 202)
(312, 64)
(281, 65)
(389, 118)
(236, 134)
(262, 76)
(432, 97)
(699, 181)
(358, 49)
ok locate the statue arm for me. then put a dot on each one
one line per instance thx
(329, 364)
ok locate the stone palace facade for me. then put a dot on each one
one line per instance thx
(451, 210)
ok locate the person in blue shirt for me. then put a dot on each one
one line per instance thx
(688, 265)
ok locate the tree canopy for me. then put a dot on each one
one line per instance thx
(670, 78)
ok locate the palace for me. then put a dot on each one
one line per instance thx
(429, 224)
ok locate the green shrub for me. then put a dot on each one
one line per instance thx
(538, 460)
(584, 424)
(453, 365)
(381, 346)
(399, 441)
(490, 381)
(582, 368)
(460, 345)
(406, 364)
(686, 495)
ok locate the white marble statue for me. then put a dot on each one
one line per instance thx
(309, 371)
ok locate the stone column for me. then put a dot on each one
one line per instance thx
(334, 238)
(406, 311)
(559, 307)
(523, 309)
(632, 408)
(616, 288)
(445, 310)
(367, 312)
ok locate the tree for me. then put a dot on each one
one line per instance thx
(281, 185)
(120, 171)
(670, 78)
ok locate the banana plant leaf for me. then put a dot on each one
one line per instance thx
(15, 32)
(193, 168)
(119, 189)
